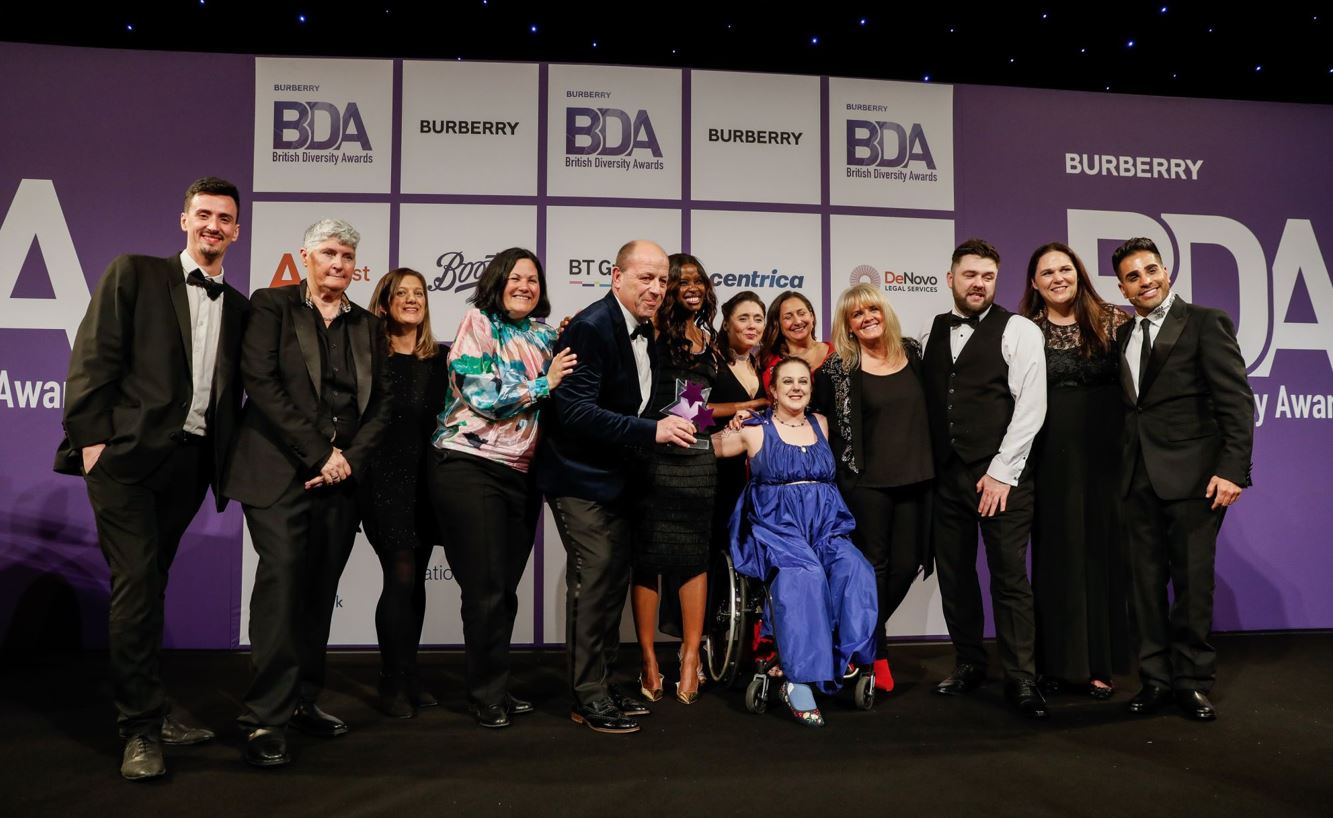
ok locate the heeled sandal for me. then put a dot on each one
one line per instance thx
(808, 718)
(1100, 692)
(652, 695)
(691, 696)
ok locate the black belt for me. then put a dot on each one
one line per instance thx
(185, 438)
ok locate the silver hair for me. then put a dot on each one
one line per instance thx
(326, 229)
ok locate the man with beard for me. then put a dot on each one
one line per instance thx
(985, 383)
(152, 399)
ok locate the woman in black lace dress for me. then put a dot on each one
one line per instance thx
(1079, 574)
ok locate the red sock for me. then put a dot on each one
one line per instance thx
(883, 676)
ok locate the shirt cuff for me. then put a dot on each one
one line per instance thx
(1005, 473)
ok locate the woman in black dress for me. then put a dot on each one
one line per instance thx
(1078, 571)
(870, 390)
(395, 515)
(737, 388)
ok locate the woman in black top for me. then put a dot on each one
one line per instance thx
(394, 513)
(1079, 576)
(870, 389)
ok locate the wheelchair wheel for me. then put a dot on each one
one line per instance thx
(756, 695)
(863, 693)
(724, 627)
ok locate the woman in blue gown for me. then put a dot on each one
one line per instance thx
(792, 530)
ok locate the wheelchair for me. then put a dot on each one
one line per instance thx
(732, 638)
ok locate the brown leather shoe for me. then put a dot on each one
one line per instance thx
(142, 759)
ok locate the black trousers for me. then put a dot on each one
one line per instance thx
(597, 571)
(1172, 541)
(139, 528)
(303, 541)
(490, 513)
(888, 530)
(1005, 536)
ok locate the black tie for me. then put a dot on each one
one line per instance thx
(1144, 352)
(643, 330)
(957, 321)
(198, 279)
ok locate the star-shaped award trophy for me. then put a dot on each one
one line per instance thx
(692, 404)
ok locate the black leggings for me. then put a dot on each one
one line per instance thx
(888, 530)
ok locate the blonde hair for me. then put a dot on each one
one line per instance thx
(855, 298)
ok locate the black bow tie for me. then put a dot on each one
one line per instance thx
(211, 287)
(644, 329)
(956, 321)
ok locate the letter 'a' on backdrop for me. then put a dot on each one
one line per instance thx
(775, 182)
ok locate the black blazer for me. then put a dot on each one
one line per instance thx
(129, 383)
(1195, 417)
(594, 414)
(280, 366)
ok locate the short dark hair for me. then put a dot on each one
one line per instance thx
(1138, 244)
(489, 295)
(975, 247)
(212, 186)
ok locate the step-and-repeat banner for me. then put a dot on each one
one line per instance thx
(774, 182)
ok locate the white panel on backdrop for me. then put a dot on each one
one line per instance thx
(452, 244)
(907, 258)
(614, 132)
(763, 252)
(323, 125)
(581, 245)
(469, 128)
(891, 144)
(279, 227)
(765, 150)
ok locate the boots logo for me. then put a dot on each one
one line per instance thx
(457, 274)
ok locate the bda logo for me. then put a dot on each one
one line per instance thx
(608, 132)
(886, 144)
(317, 126)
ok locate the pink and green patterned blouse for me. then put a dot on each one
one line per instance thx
(497, 373)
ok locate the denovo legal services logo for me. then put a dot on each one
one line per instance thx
(311, 131)
(882, 149)
(456, 272)
(607, 138)
(895, 282)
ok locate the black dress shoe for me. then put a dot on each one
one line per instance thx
(1050, 685)
(142, 759)
(309, 719)
(629, 705)
(1196, 705)
(603, 717)
(265, 747)
(517, 706)
(491, 715)
(178, 734)
(964, 679)
(1027, 699)
(1148, 699)
(1101, 692)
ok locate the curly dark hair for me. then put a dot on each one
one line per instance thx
(673, 317)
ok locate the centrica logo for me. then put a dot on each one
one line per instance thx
(319, 132)
(610, 138)
(755, 279)
(457, 274)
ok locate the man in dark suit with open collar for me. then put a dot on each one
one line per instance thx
(1189, 431)
(151, 404)
(315, 410)
(583, 467)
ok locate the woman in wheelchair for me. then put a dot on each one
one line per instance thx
(791, 529)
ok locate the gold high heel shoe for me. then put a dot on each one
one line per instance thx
(651, 695)
(686, 698)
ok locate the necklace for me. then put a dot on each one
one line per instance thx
(793, 425)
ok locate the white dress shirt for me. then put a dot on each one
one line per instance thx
(205, 326)
(641, 360)
(1024, 351)
(1135, 348)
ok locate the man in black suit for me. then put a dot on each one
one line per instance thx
(152, 398)
(985, 385)
(1189, 431)
(315, 411)
(583, 468)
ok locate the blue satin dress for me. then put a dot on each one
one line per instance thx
(791, 529)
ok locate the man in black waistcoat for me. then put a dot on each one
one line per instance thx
(151, 405)
(583, 468)
(315, 410)
(1189, 431)
(985, 381)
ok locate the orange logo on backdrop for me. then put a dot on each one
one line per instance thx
(288, 273)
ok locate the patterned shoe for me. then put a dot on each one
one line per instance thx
(804, 708)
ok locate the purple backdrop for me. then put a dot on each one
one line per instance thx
(121, 133)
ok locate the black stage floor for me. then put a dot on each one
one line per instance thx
(915, 754)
